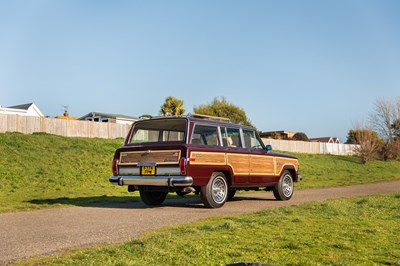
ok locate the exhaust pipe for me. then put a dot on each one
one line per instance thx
(188, 190)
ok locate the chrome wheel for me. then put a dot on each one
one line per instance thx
(215, 193)
(287, 186)
(219, 190)
(283, 190)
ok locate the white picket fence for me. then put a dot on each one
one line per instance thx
(310, 147)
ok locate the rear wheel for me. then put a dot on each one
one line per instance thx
(215, 193)
(284, 189)
(152, 198)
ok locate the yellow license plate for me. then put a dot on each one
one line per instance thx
(148, 170)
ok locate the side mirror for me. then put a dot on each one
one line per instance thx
(268, 148)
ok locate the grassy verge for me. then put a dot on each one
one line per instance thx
(359, 231)
(41, 171)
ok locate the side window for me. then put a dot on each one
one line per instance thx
(231, 137)
(205, 135)
(250, 140)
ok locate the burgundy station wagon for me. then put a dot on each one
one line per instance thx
(203, 155)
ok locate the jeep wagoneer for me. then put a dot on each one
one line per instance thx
(202, 155)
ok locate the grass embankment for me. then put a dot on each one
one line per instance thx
(359, 231)
(41, 170)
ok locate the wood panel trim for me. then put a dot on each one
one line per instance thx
(156, 151)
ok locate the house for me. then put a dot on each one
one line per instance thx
(66, 116)
(326, 140)
(277, 134)
(105, 117)
(28, 109)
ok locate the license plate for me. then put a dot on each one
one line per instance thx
(148, 170)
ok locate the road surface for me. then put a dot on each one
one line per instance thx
(44, 232)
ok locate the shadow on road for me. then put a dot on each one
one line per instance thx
(133, 202)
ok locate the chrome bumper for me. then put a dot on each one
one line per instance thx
(161, 181)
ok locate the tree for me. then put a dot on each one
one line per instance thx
(385, 119)
(368, 144)
(396, 129)
(223, 108)
(172, 106)
(384, 115)
(300, 136)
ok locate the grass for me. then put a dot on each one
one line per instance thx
(359, 231)
(41, 171)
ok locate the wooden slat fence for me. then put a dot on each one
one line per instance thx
(311, 147)
(88, 129)
(62, 127)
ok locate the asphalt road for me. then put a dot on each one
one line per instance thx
(44, 232)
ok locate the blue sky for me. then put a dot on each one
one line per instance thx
(310, 66)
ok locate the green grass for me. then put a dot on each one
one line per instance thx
(331, 170)
(41, 171)
(359, 231)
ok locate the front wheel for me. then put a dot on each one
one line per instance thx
(152, 198)
(215, 193)
(284, 189)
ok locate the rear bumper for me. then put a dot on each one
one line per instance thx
(161, 181)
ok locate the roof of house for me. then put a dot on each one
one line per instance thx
(21, 106)
(325, 139)
(26, 108)
(92, 114)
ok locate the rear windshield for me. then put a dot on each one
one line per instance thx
(162, 130)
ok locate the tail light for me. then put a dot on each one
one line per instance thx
(182, 165)
(115, 166)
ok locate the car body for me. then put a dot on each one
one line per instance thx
(205, 155)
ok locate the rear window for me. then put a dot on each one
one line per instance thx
(163, 130)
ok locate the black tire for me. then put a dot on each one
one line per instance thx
(152, 198)
(231, 193)
(284, 189)
(215, 193)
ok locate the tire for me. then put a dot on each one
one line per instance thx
(231, 194)
(215, 193)
(284, 189)
(152, 198)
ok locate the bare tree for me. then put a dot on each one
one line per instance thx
(383, 117)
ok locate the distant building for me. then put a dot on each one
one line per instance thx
(66, 116)
(28, 109)
(326, 140)
(105, 117)
(278, 134)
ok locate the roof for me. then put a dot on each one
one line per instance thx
(325, 139)
(199, 119)
(27, 108)
(92, 114)
(21, 106)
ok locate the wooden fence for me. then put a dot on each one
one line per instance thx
(311, 147)
(88, 129)
(62, 127)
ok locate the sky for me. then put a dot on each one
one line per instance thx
(297, 65)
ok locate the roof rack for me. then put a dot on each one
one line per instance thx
(222, 119)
